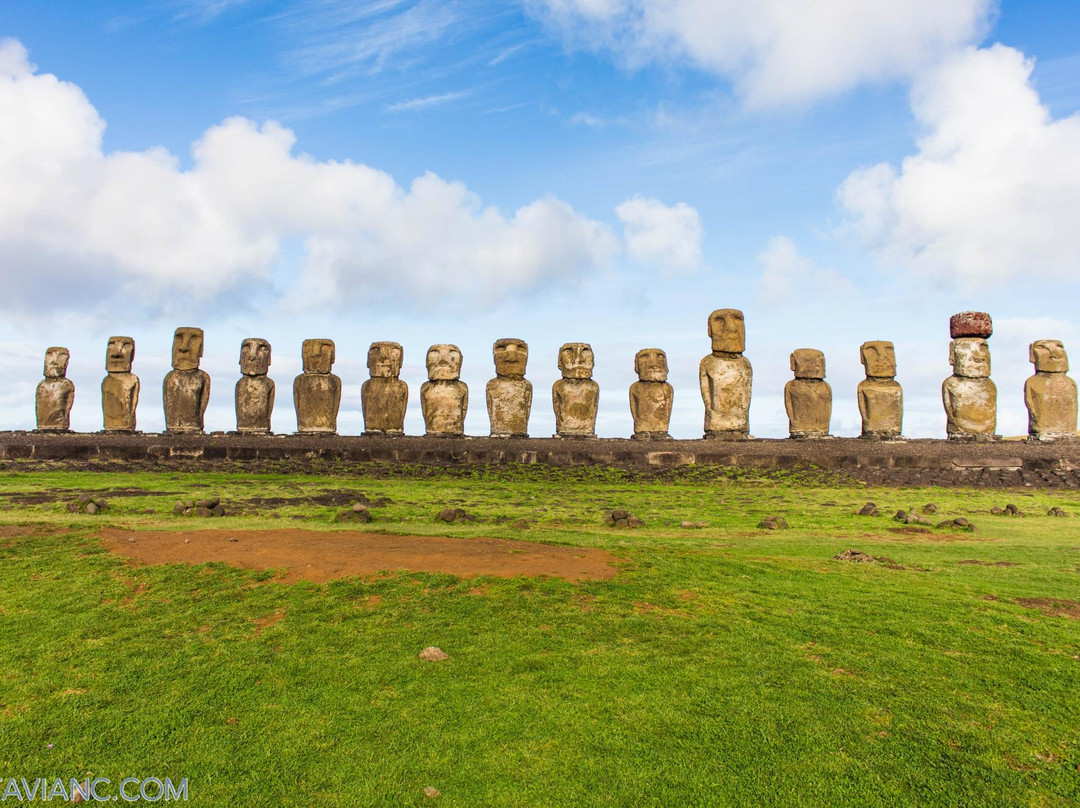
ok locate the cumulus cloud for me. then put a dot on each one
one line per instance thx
(655, 233)
(786, 273)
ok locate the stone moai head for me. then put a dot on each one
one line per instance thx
(187, 348)
(119, 354)
(511, 356)
(56, 362)
(970, 357)
(254, 357)
(650, 365)
(727, 330)
(879, 359)
(1048, 356)
(808, 363)
(384, 360)
(443, 362)
(318, 355)
(576, 360)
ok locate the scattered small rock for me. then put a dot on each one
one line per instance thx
(357, 513)
(433, 654)
(454, 515)
(869, 509)
(233, 538)
(131, 540)
(959, 523)
(431, 792)
(855, 555)
(1012, 510)
(209, 503)
(910, 518)
(87, 504)
(620, 517)
(685, 525)
(203, 507)
(929, 508)
(996, 511)
(773, 523)
(1056, 511)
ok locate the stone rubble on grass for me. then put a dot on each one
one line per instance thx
(910, 518)
(959, 523)
(454, 515)
(773, 523)
(433, 654)
(865, 558)
(929, 508)
(1008, 510)
(1056, 511)
(199, 507)
(87, 504)
(620, 517)
(357, 513)
(869, 509)
(687, 525)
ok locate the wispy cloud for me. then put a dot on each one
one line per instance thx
(202, 11)
(426, 101)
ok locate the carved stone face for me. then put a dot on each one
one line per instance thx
(650, 364)
(970, 357)
(576, 360)
(808, 363)
(318, 355)
(511, 356)
(56, 362)
(254, 357)
(879, 358)
(443, 362)
(1048, 356)
(727, 330)
(187, 348)
(384, 360)
(119, 354)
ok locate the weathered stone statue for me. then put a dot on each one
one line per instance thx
(186, 390)
(444, 398)
(509, 394)
(726, 377)
(575, 396)
(808, 397)
(881, 399)
(970, 398)
(55, 393)
(254, 390)
(317, 391)
(120, 388)
(384, 396)
(651, 396)
(1050, 395)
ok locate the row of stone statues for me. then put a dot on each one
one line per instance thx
(725, 375)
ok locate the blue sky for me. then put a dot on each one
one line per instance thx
(559, 170)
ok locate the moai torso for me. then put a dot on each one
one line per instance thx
(317, 391)
(120, 388)
(255, 389)
(808, 397)
(55, 393)
(726, 378)
(651, 397)
(575, 397)
(444, 398)
(969, 396)
(881, 399)
(1050, 395)
(186, 389)
(384, 397)
(509, 394)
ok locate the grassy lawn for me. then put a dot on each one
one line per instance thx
(726, 665)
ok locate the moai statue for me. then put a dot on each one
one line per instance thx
(970, 398)
(651, 396)
(186, 390)
(255, 389)
(808, 397)
(120, 388)
(509, 394)
(55, 393)
(444, 398)
(1050, 395)
(317, 391)
(575, 396)
(384, 396)
(881, 399)
(726, 377)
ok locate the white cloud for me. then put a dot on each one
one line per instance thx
(787, 273)
(667, 236)
(413, 104)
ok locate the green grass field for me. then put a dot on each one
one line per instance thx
(727, 665)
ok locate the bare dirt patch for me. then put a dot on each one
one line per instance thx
(974, 562)
(1052, 607)
(324, 555)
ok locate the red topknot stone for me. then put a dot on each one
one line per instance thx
(970, 324)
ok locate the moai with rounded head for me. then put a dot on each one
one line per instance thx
(808, 397)
(575, 397)
(317, 391)
(509, 394)
(969, 396)
(881, 399)
(726, 377)
(444, 398)
(120, 388)
(651, 396)
(384, 396)
(255, 389)
(1050, 395)
(186, 390)
(55, 393)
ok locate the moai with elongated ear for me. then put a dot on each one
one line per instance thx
(808, 397)
(969, 396)
(255, 389)
(1050, 395)
(444, 398)
(575, 397)
(55, 393)
(186, 390)
(881, 399)
(651, 396)
(509, 394)
(384, 396)
(317, 391)
(120, 388)
(726, 377)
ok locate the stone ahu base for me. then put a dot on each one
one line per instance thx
(911, 462)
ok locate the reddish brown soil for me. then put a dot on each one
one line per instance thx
(320, 556)
(1052, 607)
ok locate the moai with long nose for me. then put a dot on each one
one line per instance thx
(120, 388)
(726, 377)
(317, 391)
(808, 397)
(1050, 395)
(55, 393)
(969, 396)
(651, 396)
(444, 398)
(575, 397)
(384, 396)
(509, 394)
(186, 389)
(881, 399)
(255, 389)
